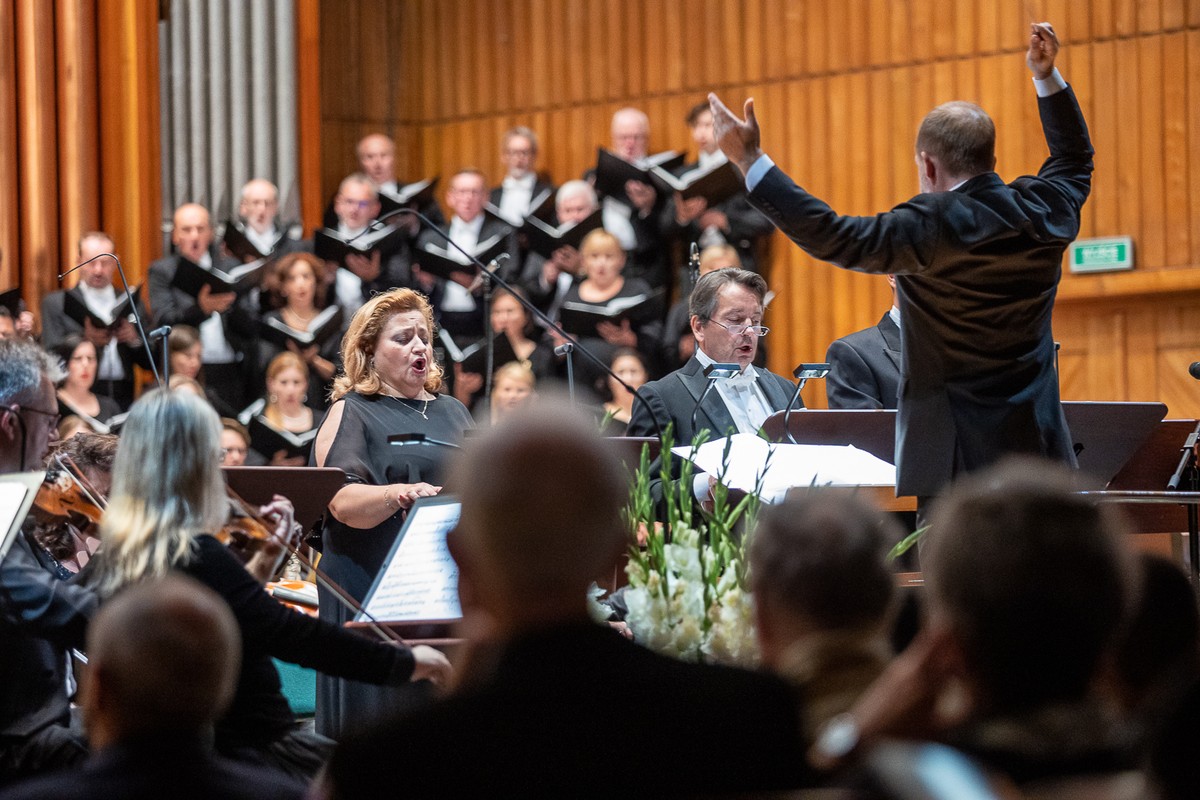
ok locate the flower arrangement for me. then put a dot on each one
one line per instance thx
(687, 595)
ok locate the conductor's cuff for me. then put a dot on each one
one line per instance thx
(759, 168)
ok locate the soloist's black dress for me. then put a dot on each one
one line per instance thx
(353, 556)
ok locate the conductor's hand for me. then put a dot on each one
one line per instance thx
(738, 139)
(1043, 47)
(430, 665)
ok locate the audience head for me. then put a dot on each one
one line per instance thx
(575, 201)
(719, 256)
(235, 443)
(959, 140)
(513, 386)
(818, 563)
(700, 121)
(630, 133)
(518, 151)
(163, 659)
(28, 405)
(377, 157)
(99, 273)
(466, 193)
(298, 280)
(721, 305)
(1159, 651)
(159, 505)
(192, 233)
(184, 351)
(357, 201)
(388, 344)
(603, 258)
(259, 203)
(541, 516)
(1030, 581)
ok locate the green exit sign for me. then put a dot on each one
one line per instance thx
(1101, 255)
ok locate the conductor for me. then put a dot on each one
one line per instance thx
(977, 265)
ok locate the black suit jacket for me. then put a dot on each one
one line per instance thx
(977, 272)
(578, 711)
(168, 764)
(864, 367)
(674, 397)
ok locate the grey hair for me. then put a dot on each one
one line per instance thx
(360, 177)
(703, 301)
(576, 188)
(23, 365)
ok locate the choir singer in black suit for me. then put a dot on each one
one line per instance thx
(864, 366)
(977, 264)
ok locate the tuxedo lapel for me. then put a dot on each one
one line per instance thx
(890, 332)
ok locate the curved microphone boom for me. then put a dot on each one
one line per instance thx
(132, 307)
(504, 284)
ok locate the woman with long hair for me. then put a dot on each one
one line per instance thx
(389, 386)
(166, 504)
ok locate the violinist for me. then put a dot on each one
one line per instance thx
(162, 512)
(66, 534)
(40, 616)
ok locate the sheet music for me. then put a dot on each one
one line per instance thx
(420, 582)
(790, 465)
(16, 496)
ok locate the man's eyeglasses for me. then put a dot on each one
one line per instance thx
(54, 416)
(742, 330)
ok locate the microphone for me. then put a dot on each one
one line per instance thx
(717, 371)
(165, 330)
(1194, 370)
(536, 312)
(133, 306)
(802, 374)
(401, 439)
(694, 263)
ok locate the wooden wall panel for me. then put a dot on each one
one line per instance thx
(841, 86)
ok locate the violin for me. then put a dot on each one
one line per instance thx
(247, 526)
(67, 496)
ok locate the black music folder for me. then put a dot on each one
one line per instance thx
(331, 246)
(543, 238)
(714, 185)
(240, 246)
(410, 195)
(191, 277)
(612, 171)
(77, 309)
(580, 318)
(443, 261)
(268, 438)
(324, 325)
(473, 357)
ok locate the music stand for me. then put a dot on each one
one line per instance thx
(873, 430)
(1106, 435)
(17, 493)
(415, 592)
(309, 488)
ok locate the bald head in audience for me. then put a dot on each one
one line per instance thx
(164, 656)
(541, 497)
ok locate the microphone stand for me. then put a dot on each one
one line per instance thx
(132, 307)
(566, 350)
(714, 372)
(536, 312)
(802, 374)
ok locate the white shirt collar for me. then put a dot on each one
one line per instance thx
(525, 182)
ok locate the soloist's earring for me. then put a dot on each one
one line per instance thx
(272, 399)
